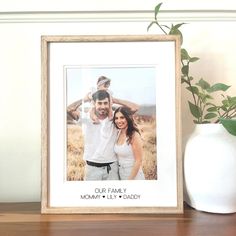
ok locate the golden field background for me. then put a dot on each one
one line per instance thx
(75, 147)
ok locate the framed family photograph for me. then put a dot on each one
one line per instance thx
(111, 128)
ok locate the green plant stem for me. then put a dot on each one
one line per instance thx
(233, 114)
(203, 109)
(161, 28)
(224, 115)
(218, 111)
(218, 120)
(188, 81)
(198, 104)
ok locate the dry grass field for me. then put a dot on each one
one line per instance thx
(75, 163)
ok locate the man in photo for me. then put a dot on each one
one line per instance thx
(100, 137)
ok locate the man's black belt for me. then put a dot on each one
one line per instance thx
(90, 163)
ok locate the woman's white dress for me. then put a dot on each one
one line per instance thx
(126, 161)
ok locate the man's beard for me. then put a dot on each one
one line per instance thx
(102, 112)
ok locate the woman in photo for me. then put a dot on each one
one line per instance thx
(128, 147)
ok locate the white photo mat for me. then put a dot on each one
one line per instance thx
(163, 195)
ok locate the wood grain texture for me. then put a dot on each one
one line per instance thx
(44, 120)
(23, 219)
(46, 188)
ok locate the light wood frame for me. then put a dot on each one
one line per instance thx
(47, 89)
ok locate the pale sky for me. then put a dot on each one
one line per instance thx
(136, 84)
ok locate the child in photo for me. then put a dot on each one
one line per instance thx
(103, 83)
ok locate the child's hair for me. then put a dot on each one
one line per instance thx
(103, 80)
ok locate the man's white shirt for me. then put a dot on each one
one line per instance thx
(99, 140)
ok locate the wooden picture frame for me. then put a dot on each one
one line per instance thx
(142, 69)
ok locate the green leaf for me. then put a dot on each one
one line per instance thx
(225, 103)
(193, 59)
(151, 24)
(184, 54)
(177, 26)
(224, 108)
(229, 103)
(203, 84)
(157, 9)
(212, 109)
(208, 96)
(204, 97)
(195, 110)
(174, 31)
(218, 87)
(230, 125)
(193, 89)
(185, 70)
(210, 104)
(232, 101)
(209, 116)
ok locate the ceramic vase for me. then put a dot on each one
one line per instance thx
(210, 169)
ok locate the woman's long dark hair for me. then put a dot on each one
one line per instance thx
(132, 127)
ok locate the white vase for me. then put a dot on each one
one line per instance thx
(210, 169)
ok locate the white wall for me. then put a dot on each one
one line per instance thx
(209, 35)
